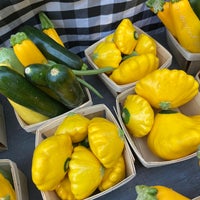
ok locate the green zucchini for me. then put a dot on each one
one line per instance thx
(58, 79)
(51, 49)
(8, 58)
(15, 87)
(37, 75)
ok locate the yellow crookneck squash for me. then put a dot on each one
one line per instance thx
(26, 50)
(180, 19)
(158, 192)
(174, 135)
(166, 88)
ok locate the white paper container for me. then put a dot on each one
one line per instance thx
(163, 54)
(197, 77)
(99, 110)
(189, 62)
(33, 127)
(139, 145)
(197, 198)
(19, 179)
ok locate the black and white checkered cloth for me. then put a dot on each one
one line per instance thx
(79, 23)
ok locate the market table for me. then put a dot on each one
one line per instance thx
(183, 177)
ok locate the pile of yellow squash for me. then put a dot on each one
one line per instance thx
(83, 156)
(152, 111)
(132, 55)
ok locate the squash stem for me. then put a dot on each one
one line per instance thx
(45, 21)
(146, 192)
(155, 5)
(92, 71)
(90, 87)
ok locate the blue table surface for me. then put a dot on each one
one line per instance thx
(183, 177)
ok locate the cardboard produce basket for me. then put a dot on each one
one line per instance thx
(189, 62)
(197, 198)
(3, 136)
(33, 127)
(165, 59)
(139, 145)
(99, 110)
(19, 179)
(197, 77)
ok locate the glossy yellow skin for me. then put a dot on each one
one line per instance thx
(75, 125)
(166, 18)
(6, 189)
(174, 135)
(50, 161)
(125, 36)
(106, 54)
(138, 115)
(186, 25)
(113, 175)
(158, 192)
(146, 44)
(109, 38)
(106, 140)
(134, 68)
(180, 19)
(27, 115)
(85, 172)
(63, 190)
(165, 193)
(52, 33)
(28, 53)
(165, 88)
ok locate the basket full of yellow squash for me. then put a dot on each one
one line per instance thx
(131, 53)
(161, 117)
(82, 155)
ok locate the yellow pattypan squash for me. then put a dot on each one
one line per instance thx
(145, 44)
(106, 140)
(166, 88)
(85, 172)
(50, 161)
(174, 135)
(106, 54)
(63, 190)
(134, 68)
(125, 36)
(138, 115)
(113, 175)
(75, 125)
